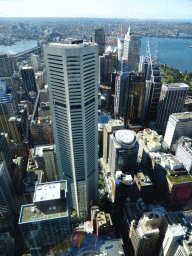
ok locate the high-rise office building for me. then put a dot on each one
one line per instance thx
(99, 38)
(153, 90)
(123, 151)
(7, 202)
(35, 62)
(120, 47)
(28, 77)
(14, 130)
(4, 151)
(130, 59)
(109, 128)
(172, 99)
(151, 67)
(46, 223)
(106, 68)
(120, 84)
(72, 77)
(5, 65)
(134, 99)
(179, 124)
(8, 107)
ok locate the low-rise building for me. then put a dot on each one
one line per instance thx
(104, 223)
(144, 184)
(149, 141)
(170, 179)
(144, 235)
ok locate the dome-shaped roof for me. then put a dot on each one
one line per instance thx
(125, 137)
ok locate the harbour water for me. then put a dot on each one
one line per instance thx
(175, 52)
(19, 46)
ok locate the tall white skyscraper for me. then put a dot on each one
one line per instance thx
(72, 71)
(130, 59)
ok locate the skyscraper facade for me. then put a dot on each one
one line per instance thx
(153, 90)
(99, 38)
(120, 83)
(130, 59)
(120, 47)
(108, 129)
(123, 151)
(7, 204)
(5, 65)
(134, 99)
(171, 100)
(28, 77)
(179, 124)
(73, 86)
(184, 152)
(4, 151)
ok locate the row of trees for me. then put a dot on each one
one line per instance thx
(171, 75)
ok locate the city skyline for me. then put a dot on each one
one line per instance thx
(99, 9)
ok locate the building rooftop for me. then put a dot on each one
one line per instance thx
(104, 219)
(30, 213)
(175, 218)
(103, 119)
(112, 247)
(176, 86)
(146, 229)
(27, 67)
(38, 151)
(167, 161)
(55, 209)
(176, 180)
(142, 180)
(177, 230)
(125, 136)
(71, 43)
(48, 191)
(184, 116)
(151, 139)
(112, 123)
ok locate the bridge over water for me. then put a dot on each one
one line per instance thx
(35, 50)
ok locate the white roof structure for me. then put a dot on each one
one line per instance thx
(125, 136)
(47, 191)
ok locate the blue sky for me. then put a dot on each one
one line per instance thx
(139, 9)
